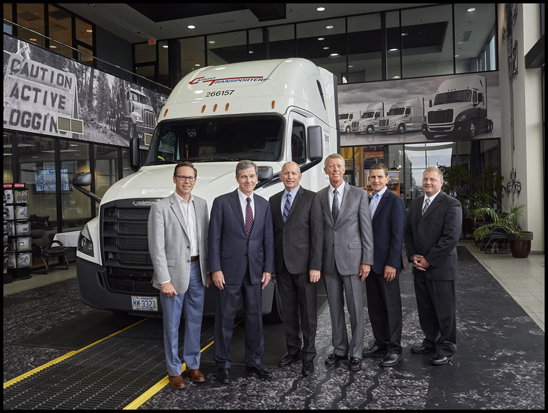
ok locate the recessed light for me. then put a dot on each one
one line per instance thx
(320, 38)
(197, 64)
(212, 42)
(471, 9)
(191, 26)
(53, 47)
(456, 55)
(404, 34)
(392, 50)
(328, 27)
(320, 8)
(89, 31)
(325, 48)
(251, 51)
(32, 39)
(334, 55)
(165, 46)
(396, 77)
(350, 66)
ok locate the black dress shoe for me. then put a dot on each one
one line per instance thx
(355, 364)
(288, 360)
(223, 376)
(261, 371)
(308, 367)
(440, 360)
(334, 359)
(421, 350)
(374, 351)
(391, 359)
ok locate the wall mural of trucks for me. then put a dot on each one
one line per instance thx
(442, 108)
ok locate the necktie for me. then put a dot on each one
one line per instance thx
(372, 204)
(287, 206)
(335, 207)
(426, 205)
(248, 217)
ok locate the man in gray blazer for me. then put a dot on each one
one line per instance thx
(177, 242)
(296, 228)
(346, 258)
(431, 235)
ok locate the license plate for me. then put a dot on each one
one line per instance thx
(144, 303)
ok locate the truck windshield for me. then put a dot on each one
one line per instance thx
(343, 116)
(367, 115)
(257, 138)
(396, 111)
(452, 97)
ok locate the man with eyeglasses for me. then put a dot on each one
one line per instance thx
(346, 259)
(177, 241)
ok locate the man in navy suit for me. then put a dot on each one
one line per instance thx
(383, 284)
(241, 261)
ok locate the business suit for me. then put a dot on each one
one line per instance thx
(170, 250)
(383, 297)
(242, 259)
(435, 235)
(292, 244)
(347, 243)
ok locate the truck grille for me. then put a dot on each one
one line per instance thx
(125, 245)
(383, 122)
(355, 125)
(148, 119)
(440, 116)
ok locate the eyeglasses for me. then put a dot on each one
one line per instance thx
(186, 178)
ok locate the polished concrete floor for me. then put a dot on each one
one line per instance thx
(499, 363)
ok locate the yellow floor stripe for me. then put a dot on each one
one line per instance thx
(66, 356)
(161, 384)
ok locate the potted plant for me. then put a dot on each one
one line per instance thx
(506, 222)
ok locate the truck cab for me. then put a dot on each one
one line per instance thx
(369, 119)
(346, 120)
(402, 117)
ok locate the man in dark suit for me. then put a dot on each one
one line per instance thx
(346, 257)
(383, 284)
(241, 260)
(431, 236)
(295, 230)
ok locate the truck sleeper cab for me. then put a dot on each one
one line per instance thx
(269, 112)
(402, 117)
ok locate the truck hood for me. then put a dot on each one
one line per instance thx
(456, 107)
(214, 179)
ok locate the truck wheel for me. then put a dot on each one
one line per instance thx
(401, 128)
(370, 129)
(276, 314)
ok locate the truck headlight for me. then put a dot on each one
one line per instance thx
(85, 245)
(137, 117)
(461, 118)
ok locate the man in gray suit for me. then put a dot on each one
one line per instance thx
(296, 228)
(177, 242)
(347, 257)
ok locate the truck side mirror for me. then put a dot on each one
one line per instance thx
(430, 102)
(81, 179)
(265, 173)
(315, 143)
(480, 97)
(134, 158)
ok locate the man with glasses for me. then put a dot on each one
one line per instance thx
(177, 242)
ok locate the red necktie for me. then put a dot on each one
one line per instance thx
(248, 217)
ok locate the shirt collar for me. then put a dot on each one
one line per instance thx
(381, 192)
(181, 199)
(243, 197)
(431, 198)
(340, 189)
(293, 191)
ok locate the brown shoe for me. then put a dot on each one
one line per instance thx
(177, 382)
(196, 375)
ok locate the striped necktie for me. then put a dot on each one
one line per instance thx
(287, 206)
(426, 205)
(335, 207)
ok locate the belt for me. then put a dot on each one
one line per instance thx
(192, 259)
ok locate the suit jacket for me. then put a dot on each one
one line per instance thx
(169, 242)
(435, 235)
(350, 239)
(388, 227)
(230, 249)
(293, 240)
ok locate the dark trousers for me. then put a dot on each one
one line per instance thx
(437, 314)
(385, 314)
(226, 305)
(299, 298)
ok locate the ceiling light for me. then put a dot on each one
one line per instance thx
(190, 26)
(165, 46)
(32, 39)
(328, 27)
(396, 77)
(471, 9)
(404, 34)
(392, 50)
(251, 51)
(325, 48)
(197, 64)
(350, 66)
(89, 31)
(456, 55)
(334, 55)
(320, 38)
(320, 8)
(212, 42)
(53, 47)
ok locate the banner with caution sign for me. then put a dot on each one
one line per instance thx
(35, 94)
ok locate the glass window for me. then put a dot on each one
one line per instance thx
(192, 54)
(86, 57)
(75, 207)
(393, 45)
(256, 45)
(31, 16)
(60, 29)
(474, 37)
(324, 43)
(8, 15)
(298, 139)
(8, 157)
(126, 169)
(37, 169)
(84, 32)
(364, 48)
(281, 41)
(163, 62)
(226, 48)
(106, 168)
(427, 47)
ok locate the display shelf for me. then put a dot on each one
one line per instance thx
(17, 242)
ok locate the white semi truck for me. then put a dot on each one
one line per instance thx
(346, 120)
(403, 117)
(459, 109)
(270, 112)
(369, 119)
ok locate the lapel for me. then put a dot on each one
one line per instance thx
(237, 208)
(345, 201)
(326, 206)
(296, 199)
(175, 207)
(382, 203)
(432, 206)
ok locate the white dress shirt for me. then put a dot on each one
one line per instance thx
(189, 214)
(243, 203)
(431, 199)
(340, 192)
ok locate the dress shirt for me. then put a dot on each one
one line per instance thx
(340, 192)
(431, 199)
(375, 199)
(243, 203)
(293, 195)
(189, 214)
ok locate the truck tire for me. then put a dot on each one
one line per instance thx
(275, 315)
(401, 128)
(370, 129)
